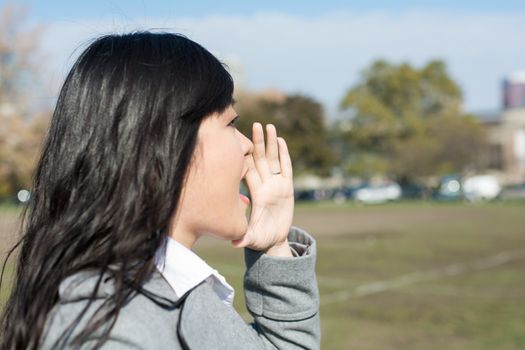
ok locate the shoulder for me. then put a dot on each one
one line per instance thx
(143, 321)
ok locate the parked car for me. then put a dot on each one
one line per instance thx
(346, 193)
(472, 188)
(378, 193)
(312, 195)
(414, 191)
(305, 195)
(481, 187)
(449, 188)
(513, 192)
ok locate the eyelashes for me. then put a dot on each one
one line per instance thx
(234, 122)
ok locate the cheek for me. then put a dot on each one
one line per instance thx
(225, 164)
(224, 181)
(216, 180)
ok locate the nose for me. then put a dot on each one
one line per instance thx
(247, 145)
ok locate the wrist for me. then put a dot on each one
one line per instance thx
(280, 250)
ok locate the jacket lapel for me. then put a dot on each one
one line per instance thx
(207, 323)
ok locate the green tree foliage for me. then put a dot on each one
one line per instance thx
(411, 119)
(299, 119)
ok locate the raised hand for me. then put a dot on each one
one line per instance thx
(270, 181)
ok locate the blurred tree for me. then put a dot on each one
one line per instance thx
(366, 165)
(20, 142)
(299, 119)
(463, 143)
(415, 157)
(21, 130)
(412, 119)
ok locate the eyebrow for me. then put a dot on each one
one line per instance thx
(230, 118)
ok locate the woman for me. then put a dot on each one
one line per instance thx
(142, 159)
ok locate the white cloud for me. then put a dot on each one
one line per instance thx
(322, 56)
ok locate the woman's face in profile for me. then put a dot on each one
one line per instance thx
(211, 203)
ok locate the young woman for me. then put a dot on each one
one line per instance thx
(142, 159)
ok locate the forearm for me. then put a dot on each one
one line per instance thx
(282, 293)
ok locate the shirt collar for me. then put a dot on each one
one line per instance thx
(183, 270)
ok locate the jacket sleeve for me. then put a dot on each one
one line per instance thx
(282, 295)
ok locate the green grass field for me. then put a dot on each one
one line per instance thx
(410, 275)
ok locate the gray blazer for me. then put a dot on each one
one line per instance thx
(281, 294)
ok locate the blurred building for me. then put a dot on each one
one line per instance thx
(514, 91)
(506, 131)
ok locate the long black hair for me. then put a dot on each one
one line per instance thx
(111, 171)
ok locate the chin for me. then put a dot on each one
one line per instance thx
(241, 231)
(233, 232)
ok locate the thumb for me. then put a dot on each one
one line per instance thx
(240, 243)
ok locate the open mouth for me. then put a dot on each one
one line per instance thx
(244, 193)
(244, 198)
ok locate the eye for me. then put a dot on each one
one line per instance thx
(234, 122)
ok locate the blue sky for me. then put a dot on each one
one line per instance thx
(317, 48)
(60, 9)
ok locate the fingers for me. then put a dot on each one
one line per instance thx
(252, 177)
(272, 158)
(259, 152)
(272, 149)
(284, 159)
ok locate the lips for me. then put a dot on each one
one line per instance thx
(245, 199)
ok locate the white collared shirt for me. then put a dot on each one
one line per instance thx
(183, 269)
